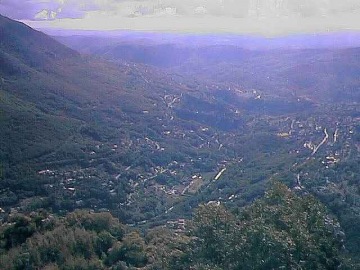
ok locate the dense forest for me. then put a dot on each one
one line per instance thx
(283, 230)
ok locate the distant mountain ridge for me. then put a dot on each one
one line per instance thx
(80, 40)
(311, 67)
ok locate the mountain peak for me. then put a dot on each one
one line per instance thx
(31, 47)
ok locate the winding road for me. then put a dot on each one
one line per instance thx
(322, 142)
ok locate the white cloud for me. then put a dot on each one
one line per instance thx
(190, 15)
(46, 15)
(200, 10)
(48, 9)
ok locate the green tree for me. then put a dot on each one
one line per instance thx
(166, 249)
(280, 231)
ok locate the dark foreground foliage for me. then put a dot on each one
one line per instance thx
(280, 231)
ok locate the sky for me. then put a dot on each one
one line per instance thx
(266, 17)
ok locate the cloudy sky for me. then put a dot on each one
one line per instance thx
(234, 16)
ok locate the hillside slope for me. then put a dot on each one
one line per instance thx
(67, 116)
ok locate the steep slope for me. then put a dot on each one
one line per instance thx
(31, 47)
(67, 116)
